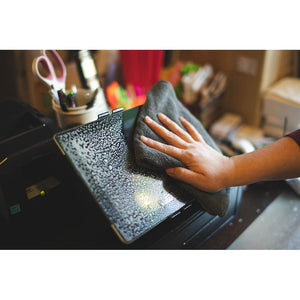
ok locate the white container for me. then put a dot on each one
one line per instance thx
(80, 114)
(281, 107)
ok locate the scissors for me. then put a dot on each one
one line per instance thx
(55, 82)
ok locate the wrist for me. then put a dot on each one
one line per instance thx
(228, 172)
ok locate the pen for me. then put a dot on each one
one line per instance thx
(62, 100)
(71, 99)
(74, 89)
(92, 101)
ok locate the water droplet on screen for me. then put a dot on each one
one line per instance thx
(132, 198)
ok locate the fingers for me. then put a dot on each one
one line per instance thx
(167, 135)
(175, 128)
(193, 178)
(191, 129)
(167, 149)
(185, 175)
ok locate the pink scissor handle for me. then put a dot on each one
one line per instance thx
(51, 79)
(60, 63)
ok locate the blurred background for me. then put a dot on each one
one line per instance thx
(222, 88)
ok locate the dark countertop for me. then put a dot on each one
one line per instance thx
(256, 198)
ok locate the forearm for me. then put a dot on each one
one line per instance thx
(207, 169)
(277, 161)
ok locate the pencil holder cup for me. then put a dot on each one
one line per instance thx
(80, 114)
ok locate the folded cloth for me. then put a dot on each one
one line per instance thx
(161, 98)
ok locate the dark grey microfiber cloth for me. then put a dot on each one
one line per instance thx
(162, 98)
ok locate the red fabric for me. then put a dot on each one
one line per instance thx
(141, 66)
(295, 135)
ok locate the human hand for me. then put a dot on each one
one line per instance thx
(206, 168)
